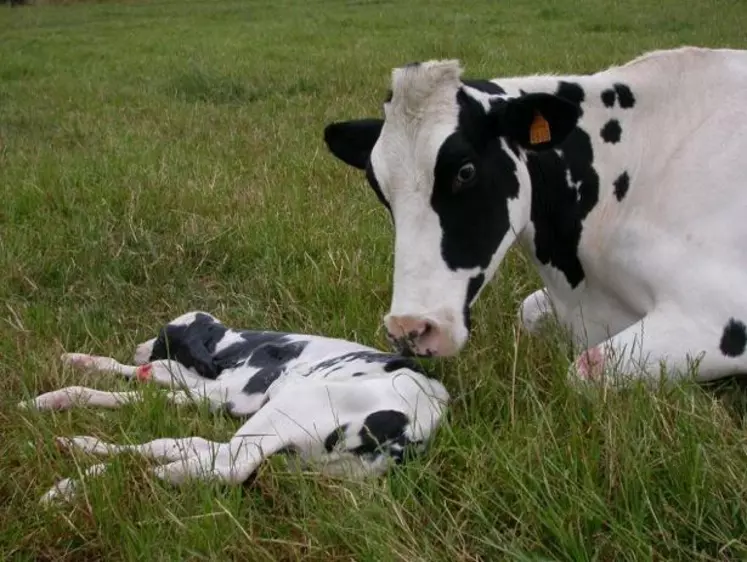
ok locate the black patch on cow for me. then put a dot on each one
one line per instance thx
(191, 344)
(475, 219)
(276, 353)
(625, 96)
(559, 209)
(612, 131)
(383, 432)
(608, 97)
(400, 363)
(472, 289)
(374, 183)
(262, 379)
(572, 92)
(389, 95)
(389, 361)
(331, 441)
(413, 64)
(622, 183)
(485, 86)
(734, 338)
(474, 286)
(620, 93)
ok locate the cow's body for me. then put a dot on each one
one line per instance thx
(341, 408)
(635, 219)
(670, 241)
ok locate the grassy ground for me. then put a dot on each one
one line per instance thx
(162, 156)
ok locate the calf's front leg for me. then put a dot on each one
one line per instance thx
(668, 336)
(158, 449)
(162, 372)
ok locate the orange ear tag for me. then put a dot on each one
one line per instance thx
(539, 131)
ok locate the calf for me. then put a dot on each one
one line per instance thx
(626, 187)
(344, 408)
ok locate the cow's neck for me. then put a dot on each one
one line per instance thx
(592, 165)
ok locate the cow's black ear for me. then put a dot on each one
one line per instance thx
(353, 141)
(536, 121)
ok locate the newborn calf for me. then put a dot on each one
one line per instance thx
(344, 409)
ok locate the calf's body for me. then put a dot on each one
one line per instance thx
(339, 407)
(627, 188)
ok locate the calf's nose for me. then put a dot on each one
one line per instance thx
(413, 334)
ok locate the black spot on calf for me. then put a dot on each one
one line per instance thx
(380, 431)
(276, 353)
(191, 344)
(262, 379)
(734, 338)
(622, 183)
(612, 131)
(335, 437)
(390, 362)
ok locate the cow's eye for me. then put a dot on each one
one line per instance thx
(465, 176)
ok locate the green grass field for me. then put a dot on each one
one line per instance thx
(165, 155)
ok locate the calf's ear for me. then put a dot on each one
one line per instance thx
(353, 141)
(536, 121)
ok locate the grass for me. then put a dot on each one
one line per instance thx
(162, 156)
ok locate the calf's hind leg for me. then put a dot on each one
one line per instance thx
(302, 418)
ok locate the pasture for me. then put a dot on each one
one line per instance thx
(163, 156)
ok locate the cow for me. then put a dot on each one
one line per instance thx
(626, 187)
(335, 406)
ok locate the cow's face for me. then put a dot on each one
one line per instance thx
(447, 161)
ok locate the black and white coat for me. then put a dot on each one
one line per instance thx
(341, 408)
(627, 188)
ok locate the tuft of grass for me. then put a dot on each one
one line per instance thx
(157, 157)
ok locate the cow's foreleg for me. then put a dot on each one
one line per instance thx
(682, 343)
(535, 310)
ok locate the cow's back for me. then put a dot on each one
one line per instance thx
(684, 160)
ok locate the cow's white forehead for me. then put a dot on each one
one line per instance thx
(421, 88)
(421, 115)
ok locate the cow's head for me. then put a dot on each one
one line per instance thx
(448, 162)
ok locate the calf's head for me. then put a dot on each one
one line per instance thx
(448, 161)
